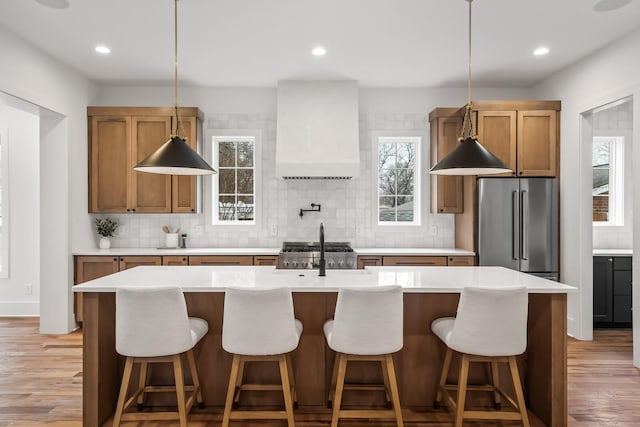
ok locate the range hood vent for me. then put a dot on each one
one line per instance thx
(317, 130)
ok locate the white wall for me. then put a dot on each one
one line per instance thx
(37, 78)
(605, 76)
(22, 123)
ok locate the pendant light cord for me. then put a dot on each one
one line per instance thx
(467, 115)
(175, 66)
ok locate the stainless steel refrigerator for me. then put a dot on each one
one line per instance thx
(518, 224)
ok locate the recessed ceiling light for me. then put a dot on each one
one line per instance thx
(54, 4)
(319, 51)
(607, 5)
(541, 51)
(102, 49)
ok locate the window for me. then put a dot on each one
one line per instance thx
(234, 195)
(398, 160)
(608, 177)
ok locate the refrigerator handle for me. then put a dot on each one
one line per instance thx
(515, 232)
(524, 227)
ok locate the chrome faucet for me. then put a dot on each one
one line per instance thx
(321, 264)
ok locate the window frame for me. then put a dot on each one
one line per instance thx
(418, 138)
(212, 138)
(616, 180)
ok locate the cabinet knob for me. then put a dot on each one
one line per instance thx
(115, 259)
(610, 260)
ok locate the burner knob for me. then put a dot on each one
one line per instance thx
(304, 264)
(340, 263)
(295, 264)
(349, 263)
(331, 264)
(285, 264)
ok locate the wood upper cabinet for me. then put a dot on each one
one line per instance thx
(446, 191)
(523, 134)
(121, 137)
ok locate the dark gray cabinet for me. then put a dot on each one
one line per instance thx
(612, 291)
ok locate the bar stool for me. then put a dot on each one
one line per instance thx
(367, 326)
(259, 325)
(152, 326)
(490, 326)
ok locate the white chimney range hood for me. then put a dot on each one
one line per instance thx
(317, 130)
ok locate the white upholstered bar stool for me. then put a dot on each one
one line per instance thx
(152, 325)
(366, 326)
(490, 326)
(259, 325)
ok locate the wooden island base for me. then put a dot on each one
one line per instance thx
(543, 367)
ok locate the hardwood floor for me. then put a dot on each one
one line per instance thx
(41, 384)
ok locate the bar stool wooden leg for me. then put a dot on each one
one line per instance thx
(385, 379)
(196, 380)
(238, 389)
(462, 389)
(292, 380)
(233, 378)
(286, 389)
(513, 367)
(142, 383)
(443, 377)
(393, 389)
(495, 381)
(341, 361)
(124, 387)
(334, 376)
(179, 379)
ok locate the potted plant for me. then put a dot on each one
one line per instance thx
(106, 228)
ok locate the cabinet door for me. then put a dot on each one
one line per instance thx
(369, 261)
(184, 186)
(221, 260)
(461, 261)
(127, 262)
(602, 289)
(414, 260)
(265, 260)
(89, 268)
(497, 133)
(150, 192)
(109, 163)
(446, 191)
(175, 260)
(537, 143)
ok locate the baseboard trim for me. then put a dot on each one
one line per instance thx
(19, 309)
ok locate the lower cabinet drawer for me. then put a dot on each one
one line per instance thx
(221, 260)
(414, 260)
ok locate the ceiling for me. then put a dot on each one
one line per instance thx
(380, 43)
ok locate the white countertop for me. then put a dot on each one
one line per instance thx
(414, 251)
(177, 251)
(412, 279)
(613, 252)
(264, 251)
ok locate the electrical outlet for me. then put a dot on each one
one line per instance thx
(434, 230)
(122, 230)
(273, 230)
(197, 229)
(28, 289)
(359, 229)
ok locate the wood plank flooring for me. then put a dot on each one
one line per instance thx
(41, 384)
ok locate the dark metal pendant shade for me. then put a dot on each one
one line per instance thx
(469, 158)
(175, 157)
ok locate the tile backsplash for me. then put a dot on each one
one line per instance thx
(348, 206)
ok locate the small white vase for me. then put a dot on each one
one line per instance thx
(105, 243)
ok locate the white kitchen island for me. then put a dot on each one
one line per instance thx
(430, 292)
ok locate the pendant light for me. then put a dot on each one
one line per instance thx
(175, 157)
(469, 157)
